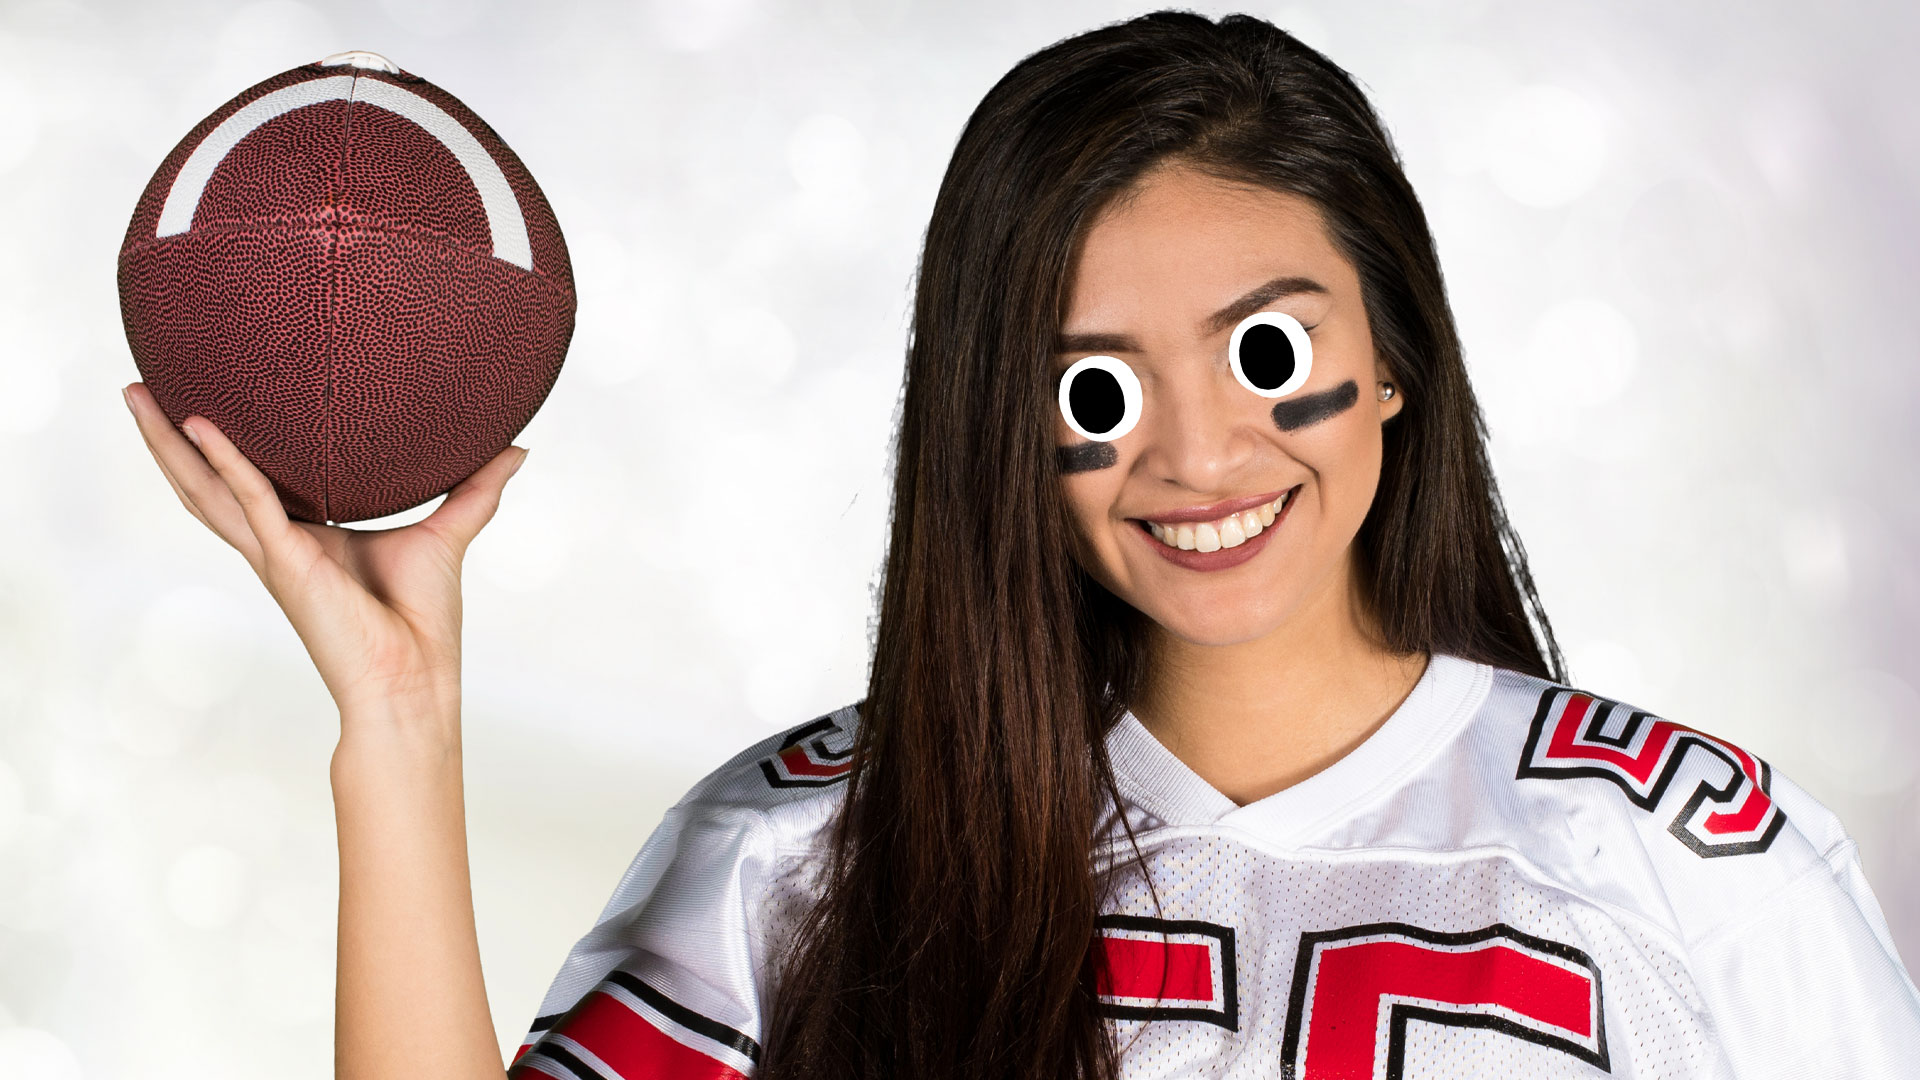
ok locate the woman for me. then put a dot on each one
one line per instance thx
(1207, 732)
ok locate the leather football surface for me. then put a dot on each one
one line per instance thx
(350, 274)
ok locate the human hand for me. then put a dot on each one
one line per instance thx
(379, 611)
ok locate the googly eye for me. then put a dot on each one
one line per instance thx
(1100, 398)
(1270, 353)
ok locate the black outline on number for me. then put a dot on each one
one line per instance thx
(1401, 1014)
(1227, 1016)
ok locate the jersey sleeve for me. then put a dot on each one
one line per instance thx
(666, 986)
(1808, 982)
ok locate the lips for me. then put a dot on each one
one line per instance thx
(1211, 511)
(1216, 553)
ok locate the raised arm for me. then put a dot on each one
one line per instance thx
(379, 613)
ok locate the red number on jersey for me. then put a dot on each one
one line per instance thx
(1349, 984)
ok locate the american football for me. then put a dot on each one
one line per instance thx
(350, 274)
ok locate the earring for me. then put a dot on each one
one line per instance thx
(1386, 390)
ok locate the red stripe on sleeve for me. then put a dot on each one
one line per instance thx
(799, 764)
(632, 1046)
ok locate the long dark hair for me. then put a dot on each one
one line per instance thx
(954, 937)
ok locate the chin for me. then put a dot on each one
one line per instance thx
(1232, 625)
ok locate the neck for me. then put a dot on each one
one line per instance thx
(1255, 717)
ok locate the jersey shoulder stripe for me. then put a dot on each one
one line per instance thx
(1691, 830)
(1728, 811)
(670, 981)
(793, 772)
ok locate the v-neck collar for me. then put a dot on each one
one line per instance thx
(1447, 694)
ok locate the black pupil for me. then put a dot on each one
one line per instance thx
(1096, 400)
(1266, 356)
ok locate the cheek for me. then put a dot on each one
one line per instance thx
(1344, 455)
(1086, 504)
(1091, 500)
(1090, 497)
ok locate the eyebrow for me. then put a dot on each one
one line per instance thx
(1218, 321)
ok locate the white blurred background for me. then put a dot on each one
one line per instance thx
(1680, 240)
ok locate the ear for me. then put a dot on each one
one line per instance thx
(1389, 408)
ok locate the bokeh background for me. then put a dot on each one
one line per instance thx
(1680, 240)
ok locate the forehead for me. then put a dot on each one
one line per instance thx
(1183, 241)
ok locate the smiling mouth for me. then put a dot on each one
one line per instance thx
(1225, 532)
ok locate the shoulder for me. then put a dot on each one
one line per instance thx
(748, 825)
(1705, 793)
(1711, 826)
(696, 922)
(792, 781)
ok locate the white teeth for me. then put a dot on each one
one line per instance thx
(1232, 534)
(1230, 531)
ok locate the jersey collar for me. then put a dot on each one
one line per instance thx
(1447, 694)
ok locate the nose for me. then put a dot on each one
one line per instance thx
(1196, 428)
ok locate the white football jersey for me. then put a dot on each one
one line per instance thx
(1508, 878)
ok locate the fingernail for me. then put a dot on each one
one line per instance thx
(126, 395)
(517, 464)
(191, 437)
